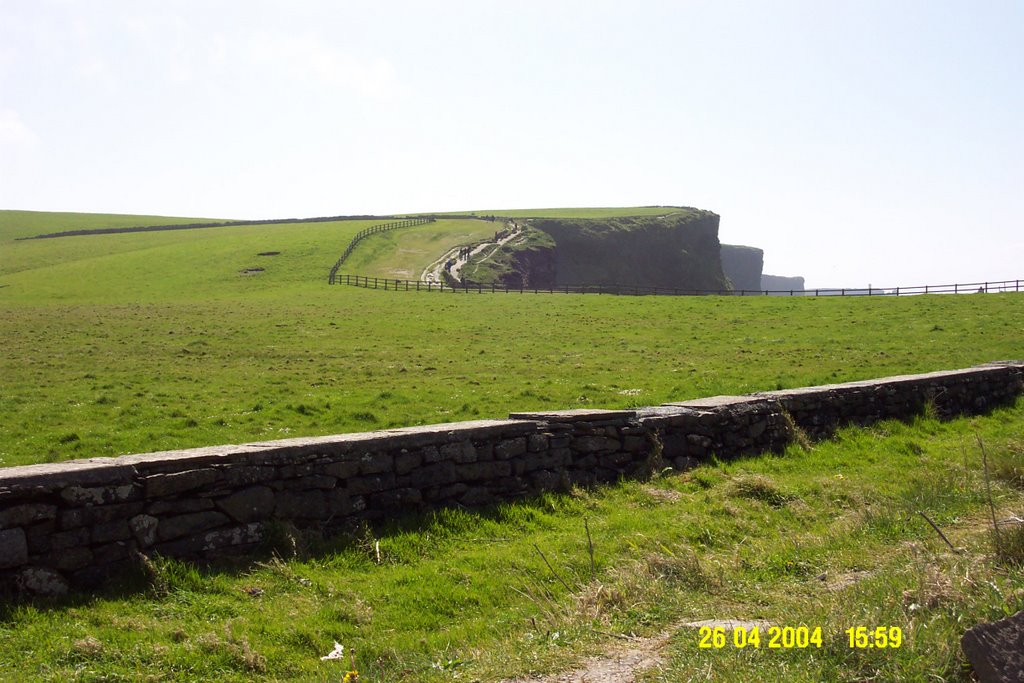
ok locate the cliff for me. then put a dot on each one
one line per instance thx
(779, 283)
(676, 251)
(743, 265)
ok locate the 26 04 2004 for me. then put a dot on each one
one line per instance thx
(771, 637)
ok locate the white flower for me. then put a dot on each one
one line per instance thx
(337, 653)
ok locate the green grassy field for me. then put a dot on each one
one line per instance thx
(404, 253)
(148, 341)
(127, 343)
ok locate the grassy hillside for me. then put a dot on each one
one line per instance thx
(404, 253)
(150, 341)
(15, 224)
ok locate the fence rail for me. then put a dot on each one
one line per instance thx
(371, 282)
(373, 230)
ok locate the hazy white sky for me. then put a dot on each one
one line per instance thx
(855, 142)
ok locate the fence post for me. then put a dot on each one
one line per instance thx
(375, 283)
(956, 288)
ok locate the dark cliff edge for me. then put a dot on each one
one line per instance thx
(675, 251)
(743, 266)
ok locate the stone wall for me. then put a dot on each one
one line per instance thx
(78, 522)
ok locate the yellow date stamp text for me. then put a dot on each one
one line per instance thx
(795, 637)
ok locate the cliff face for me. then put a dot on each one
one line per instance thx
(743, 266)
(778, 283)
(676, 251)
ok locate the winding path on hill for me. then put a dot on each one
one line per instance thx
(434, 270)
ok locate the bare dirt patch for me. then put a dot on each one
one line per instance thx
(621, 665)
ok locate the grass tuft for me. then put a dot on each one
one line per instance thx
(762, 488)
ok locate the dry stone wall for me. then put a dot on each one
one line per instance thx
(79, 522)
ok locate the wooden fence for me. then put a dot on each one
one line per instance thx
(628, 290)
(373, 230)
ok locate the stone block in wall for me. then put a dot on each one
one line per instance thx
(395, 499)
(67, 539)
(190, 523)
(98, 514)
(99, 495)
(508, 486)
(13, 548)
(163, 507)
(595, 444)
(341, 504)
(614, 460)
(684, 463)
(42, 581)
(476, 471)
(606, 474)
(555, 458)
(232, 537)
(633, 444)
(431, 454)
(438, 474)
(510, 448)
(73, 559)
(484, 451)
(581, 477)
(27, 513)
(342, 469)
(144, 529)
(215, 541)
(301, 504)
(249, 505)
(442, 494)
(376, 463)
(371, 483)
(757, 428)
(313, 481)
(459, 453)
(476, 496)
(406, 461)
(112, 553)
(295, 470)
(240, 475)
(548, 480)
(116, 530)
(161, 485)
(537, 442)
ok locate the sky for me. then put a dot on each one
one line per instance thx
(868, 142)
